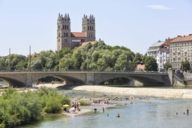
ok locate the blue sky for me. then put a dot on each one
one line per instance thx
(135, 24)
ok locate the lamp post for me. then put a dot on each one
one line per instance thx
(29, 58)
(9, 65)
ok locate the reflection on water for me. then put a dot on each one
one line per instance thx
(145, 113)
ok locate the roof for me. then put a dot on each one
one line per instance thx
(159, 43)
(155, 46)
(167, 41)
(182, 38)
(78, 34)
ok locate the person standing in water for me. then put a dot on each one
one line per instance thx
(187, 111)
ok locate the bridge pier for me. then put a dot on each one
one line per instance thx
(29, 81)
(90, 78)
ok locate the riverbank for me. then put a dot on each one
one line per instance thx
(122, 91)
(145, 92)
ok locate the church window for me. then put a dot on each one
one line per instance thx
(65, 34)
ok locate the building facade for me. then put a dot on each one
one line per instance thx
(159, 51)
(181, 50)
(173, 50)
(68, 39)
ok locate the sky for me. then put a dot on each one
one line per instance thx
(135, 24)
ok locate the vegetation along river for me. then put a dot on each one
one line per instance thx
(141, 113)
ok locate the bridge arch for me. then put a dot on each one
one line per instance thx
(100, 78)
(136, 79)
(67, 79)
(148, 81)
(117, 81)
(13, 82)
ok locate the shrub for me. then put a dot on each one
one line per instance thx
(22, 108)
(53, 106)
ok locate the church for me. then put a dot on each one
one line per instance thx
(68, 39)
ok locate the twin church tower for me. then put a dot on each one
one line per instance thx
(68, 39)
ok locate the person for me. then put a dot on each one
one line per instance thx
(118, 115)
(78, 106)
(187, 111)
(103, 109)
(95, 110)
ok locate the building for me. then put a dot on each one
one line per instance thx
(140, 68)
(68, 39)
(180, 50)
(159, 51)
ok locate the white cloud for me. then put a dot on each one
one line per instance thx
(158, 7)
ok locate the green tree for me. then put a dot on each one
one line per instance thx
(150, 63)
(3, 64)
(96, 56)
(138, 58)
(185, 65)
(77, 59)
(167, 65)
(66, 63)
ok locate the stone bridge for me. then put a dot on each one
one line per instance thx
(143, 78)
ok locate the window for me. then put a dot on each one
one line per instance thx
(174, 59)
(65, 34)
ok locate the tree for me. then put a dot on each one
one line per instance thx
(150, 63)
(138, 58)
(3, 65)
(167, 65)
(185, 65)
(66, 64)
(96, 56)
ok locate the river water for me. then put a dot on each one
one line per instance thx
(143, 113)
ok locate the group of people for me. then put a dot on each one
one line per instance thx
(103, 109)
(187, 112)
(75, 107)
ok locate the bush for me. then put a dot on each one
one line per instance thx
(22, 108)
(53, 106)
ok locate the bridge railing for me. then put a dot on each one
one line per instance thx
(81, 71)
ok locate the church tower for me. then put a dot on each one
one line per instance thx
(88, 26)
(63, 32)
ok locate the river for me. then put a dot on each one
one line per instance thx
(143, 113)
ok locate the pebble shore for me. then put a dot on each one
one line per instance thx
(147, 92)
